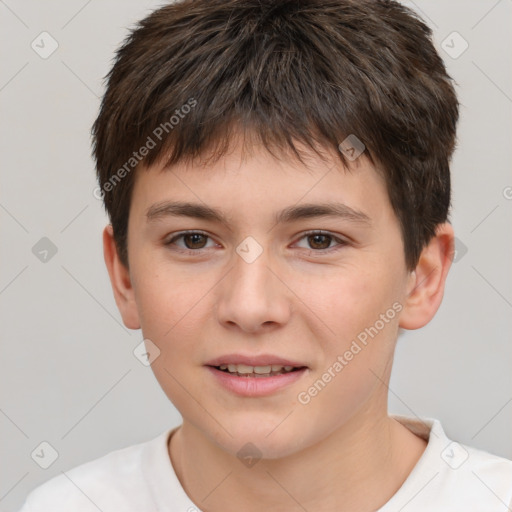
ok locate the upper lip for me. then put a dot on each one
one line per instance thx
(260, 360)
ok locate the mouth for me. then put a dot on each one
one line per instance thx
(243, 370)
(251, 375)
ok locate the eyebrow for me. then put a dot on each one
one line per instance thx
(290, 214)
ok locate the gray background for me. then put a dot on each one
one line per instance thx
(69, 376)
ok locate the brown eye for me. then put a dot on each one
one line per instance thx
(195, 240)
(319, 241)
(190, 241)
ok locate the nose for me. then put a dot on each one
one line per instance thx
(253, 297)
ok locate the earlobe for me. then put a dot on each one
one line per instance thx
(120, 280)
(427, 281)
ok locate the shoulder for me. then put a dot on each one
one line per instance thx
(112, 482)
(454, 476)
(478, 471)
(474, 479)
(487, 472)
(470, 479)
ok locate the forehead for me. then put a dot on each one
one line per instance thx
(256, 181)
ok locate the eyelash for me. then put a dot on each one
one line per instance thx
(341, 243)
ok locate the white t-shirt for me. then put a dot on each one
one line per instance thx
(448, 477)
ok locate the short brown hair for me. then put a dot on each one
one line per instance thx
(290, 70)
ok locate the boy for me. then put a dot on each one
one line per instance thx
(277, 179)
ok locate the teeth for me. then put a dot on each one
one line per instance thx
(260, 370)
(244, 369)
(241, 368)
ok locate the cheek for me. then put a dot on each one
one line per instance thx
(353, 315)
(357, 347)
(166, 297)
(341, 300)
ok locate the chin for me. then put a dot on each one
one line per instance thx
(258, 439)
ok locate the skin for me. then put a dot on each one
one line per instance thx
(300, 299)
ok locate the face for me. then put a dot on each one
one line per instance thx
(322, 292)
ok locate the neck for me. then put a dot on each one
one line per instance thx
(368, 452)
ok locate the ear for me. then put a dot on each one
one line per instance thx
(120, 280)
(427, 281)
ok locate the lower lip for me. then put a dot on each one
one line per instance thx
(256, 386)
